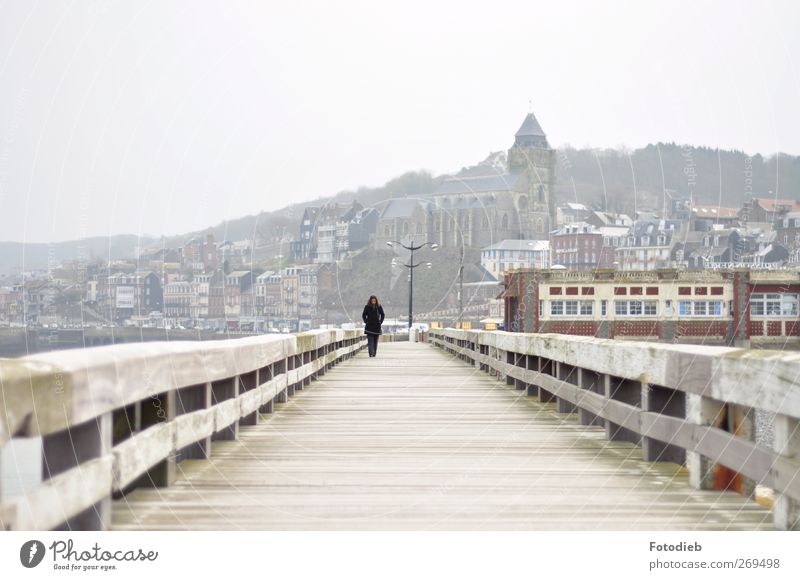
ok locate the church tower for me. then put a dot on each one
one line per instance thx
(534, 162)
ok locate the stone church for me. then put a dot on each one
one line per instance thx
(484, 205)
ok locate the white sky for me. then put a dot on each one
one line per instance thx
(163, 117)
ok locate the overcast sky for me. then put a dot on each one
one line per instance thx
(163, 117)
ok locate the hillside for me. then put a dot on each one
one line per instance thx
(16, 256)
(609, 178)
(612, 179)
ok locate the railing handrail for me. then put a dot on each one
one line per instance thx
(725, 373)
(71, 386)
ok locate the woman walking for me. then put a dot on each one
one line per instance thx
(373, 318)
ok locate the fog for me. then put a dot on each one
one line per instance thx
(164, 117)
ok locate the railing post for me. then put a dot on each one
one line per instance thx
(224, 390)
(160, 409)
(248, 382)
(532, 389)
(786, 511)
(72, 447)
(704, 411)
(194, 398)
(627, 391)
(568, 374)
(546, 367)
(669, 402)
(265, 375)
(283, 369)
(592, 382)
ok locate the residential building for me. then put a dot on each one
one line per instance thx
(571, 213)
(290, 294)
(649, 245)
(577, 246)
(508, 255)
(237, 284)
(179, 300)
(268, 295)
(787, 231)
(767, 209)
(301, 250)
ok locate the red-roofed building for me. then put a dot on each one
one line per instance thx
(726, 216)
(767, 209)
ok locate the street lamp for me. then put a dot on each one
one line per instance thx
(411, 266)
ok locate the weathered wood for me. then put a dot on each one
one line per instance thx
(722, 373)
(787, 443)
(698, 437)
(135, 456)
(416, 439)
(63, 388)
(172, 420)
(67, 495)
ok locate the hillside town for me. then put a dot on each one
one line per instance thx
(682, 271)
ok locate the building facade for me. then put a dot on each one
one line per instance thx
(498, 259)
(724, 307)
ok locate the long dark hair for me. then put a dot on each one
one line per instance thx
(369, 302)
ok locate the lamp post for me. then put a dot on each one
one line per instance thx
(411, 266)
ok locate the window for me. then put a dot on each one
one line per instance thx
(700, 308)
(571, 308)
(541, 308)
(636, 307)
(603, 307)
(774, 305)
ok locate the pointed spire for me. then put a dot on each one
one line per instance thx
(530, 128)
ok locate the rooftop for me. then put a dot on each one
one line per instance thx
(520, 245)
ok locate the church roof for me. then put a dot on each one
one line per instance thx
(530, 128)
(480, 184)
(402, 207)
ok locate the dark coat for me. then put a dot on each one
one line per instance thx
(373, 318)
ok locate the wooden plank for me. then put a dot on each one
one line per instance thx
(193, 427)
(724, 373)
(61, 497)
(74, 386)
(417, 439)
(136, 455)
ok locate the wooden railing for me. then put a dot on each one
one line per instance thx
(692, 405)
(82, 426)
